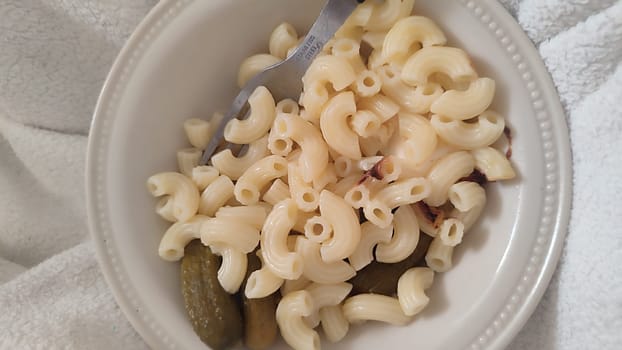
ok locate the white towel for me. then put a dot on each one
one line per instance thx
(54, 55)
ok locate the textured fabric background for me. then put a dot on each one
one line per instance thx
(54, 55)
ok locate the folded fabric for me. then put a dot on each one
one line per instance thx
(54, 56)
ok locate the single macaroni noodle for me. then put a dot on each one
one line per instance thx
(371, 236)
(374, 307)
(178, 236)
(233, 267)
(345, 225)
(275, 253)
(263, 282)
(283, 38)
(405, 237)
(289, 315)
(411, 289)
(258, 123)
(316, 269)
(234, 167)
(184, 195)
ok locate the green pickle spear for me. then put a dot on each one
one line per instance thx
(260, 327)
(214, 313)
(381, 278)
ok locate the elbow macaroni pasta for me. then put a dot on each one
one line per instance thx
(204, 175)
(386, 13)
(353, 26)
(259, 121)
(334, 323)
(365, 123)
(287, 106)
(216, 195)
(178, 236)
(237, 235)
(466, 195)
(484, 132)
(234, 167)
(188, 159)
(316, 269)
(387, 139)
(382, 106)
(324, 295)
(335, 127)
(289, 286)
(279, 145)
(329, 176)
(184, 196)
(306, 197)
(470, 208)
(439, 255)
(467, 104)
(451, 231)
(417, 140)
(301, 222)
(318, 229)
(411, 289)
(263, 282)
(164, 208)
(349, 49)
(247, 189)
(358, 196)
(446, 172)
(330, 69)
(275, 253)
(289, 316)
(413, 99)
(367, 83)
(314, 157)
(198, 132)
(254, 65)
(374, 307)
(410, 31)
(394, 195)
(277, 192)
(405, 237)
(375, 39)
(345, 225)
(371, 235)
(232, 269)
(254, 215)
(493, 164)
(438, 59)
(283, 38)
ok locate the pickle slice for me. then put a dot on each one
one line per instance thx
(214, 313)
(381, 278)
(260, 327)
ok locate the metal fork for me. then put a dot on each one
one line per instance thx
(284, 79)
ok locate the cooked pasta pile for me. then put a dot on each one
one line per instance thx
(347, 175)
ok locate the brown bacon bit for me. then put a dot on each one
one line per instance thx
(477, 177)
(433, 214)
(375, 172)
(508, 135)
(363, 178)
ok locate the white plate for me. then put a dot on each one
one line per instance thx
(182, 62)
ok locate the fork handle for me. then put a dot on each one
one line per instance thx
(332, 17)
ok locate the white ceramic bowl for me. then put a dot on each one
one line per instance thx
(182, 62)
